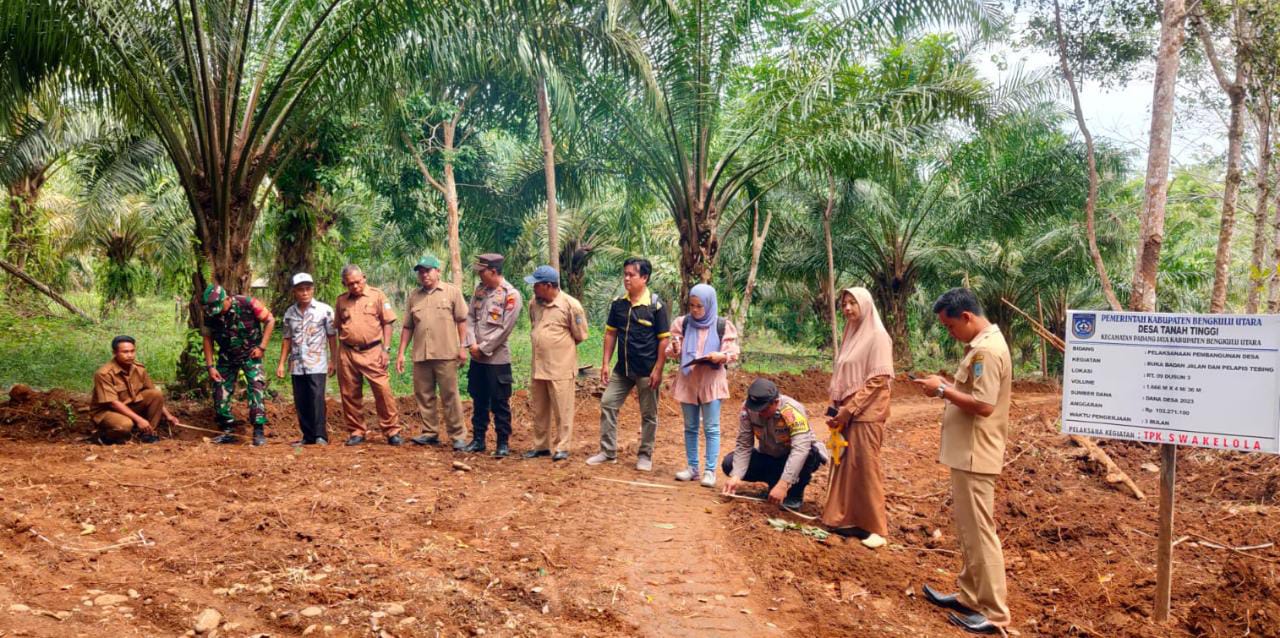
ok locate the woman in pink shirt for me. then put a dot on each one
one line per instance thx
(705, 343)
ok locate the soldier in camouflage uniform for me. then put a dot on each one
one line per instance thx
(241, 326)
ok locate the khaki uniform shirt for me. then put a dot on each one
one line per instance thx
(433, 317)
(557, 328)
(974, 443)
(786, 433)
(490, 321)
(360, 319)
(112, 383)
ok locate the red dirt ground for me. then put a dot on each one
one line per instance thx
(379, 541)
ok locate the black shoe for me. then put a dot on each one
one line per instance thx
(395, 440)
(533, 454)
(355, 440)
(502, 450)
(851, 532)
(973, 623)
(226, 439)
(560, 456)
(148, 438)
(426, 440)
(945, 601)
(476, 445)
(793, 502)
(259, 439)
(227, 428)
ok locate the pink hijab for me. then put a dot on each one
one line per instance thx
(865, 353)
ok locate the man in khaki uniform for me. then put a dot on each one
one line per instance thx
(975, 427)
(364, 318)
(557, 324)
(495, 306)
(124, 397)
(436, 323)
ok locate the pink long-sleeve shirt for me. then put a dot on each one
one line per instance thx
(703, 384)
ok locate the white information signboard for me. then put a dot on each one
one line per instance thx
(1199, 380)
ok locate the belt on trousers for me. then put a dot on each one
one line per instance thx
(367, 346)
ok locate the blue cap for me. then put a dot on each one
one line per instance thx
(543, 275)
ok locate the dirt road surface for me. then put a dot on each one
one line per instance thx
(142, 540)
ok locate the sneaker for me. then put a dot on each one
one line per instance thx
(687, 474)
(708, 479)
(259, 439)
(644, 464)
(793, 502)
(321, 441)
(873, 541)
(601, 458)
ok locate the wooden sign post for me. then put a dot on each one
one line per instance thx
(1174, 380)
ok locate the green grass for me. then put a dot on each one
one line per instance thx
(56, 350)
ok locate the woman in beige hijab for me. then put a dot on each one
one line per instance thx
(860, 393)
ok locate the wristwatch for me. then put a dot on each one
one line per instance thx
(942, 390)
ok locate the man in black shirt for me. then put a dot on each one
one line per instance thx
(639, 326)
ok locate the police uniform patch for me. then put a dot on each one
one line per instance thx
(494, 315)
(977, 366)
(796, 423)
(511, 302)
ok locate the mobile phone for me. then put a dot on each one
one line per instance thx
(832, 411)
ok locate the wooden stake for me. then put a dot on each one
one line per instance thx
(1044, 347)
(1164, 543)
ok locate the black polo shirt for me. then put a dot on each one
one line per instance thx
(639, 328)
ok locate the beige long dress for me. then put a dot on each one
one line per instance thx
(856, 498)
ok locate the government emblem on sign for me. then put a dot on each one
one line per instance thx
(1084, 325)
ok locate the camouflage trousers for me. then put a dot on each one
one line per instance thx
(256, 386)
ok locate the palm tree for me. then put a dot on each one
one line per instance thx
(40, 139)
(217, 82)
(710, 128)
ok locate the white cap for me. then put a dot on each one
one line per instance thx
(302, 278)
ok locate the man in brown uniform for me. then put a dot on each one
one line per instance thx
(436, 323)
(495, 306)
(124, 397)
(975, 426)
(557, 324)
(364, 318)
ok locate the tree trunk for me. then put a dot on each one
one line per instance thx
(1235, 91)
(451, 203)
(1258, 278)
(1273, 270)
(1044, 345)
(295, 240)
(831, 263)
(1156, 191)
(21, 275)
(1091, 160)
(549, 170)
(698, 249)
(758, 235)
(893, 298)
(22, 221)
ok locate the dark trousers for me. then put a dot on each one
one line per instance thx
(308, 401)
(768, 469)
(489, 385)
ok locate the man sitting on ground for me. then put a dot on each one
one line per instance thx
(124, 397)
(789, 453)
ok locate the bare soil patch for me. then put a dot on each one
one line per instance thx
(375, 540)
